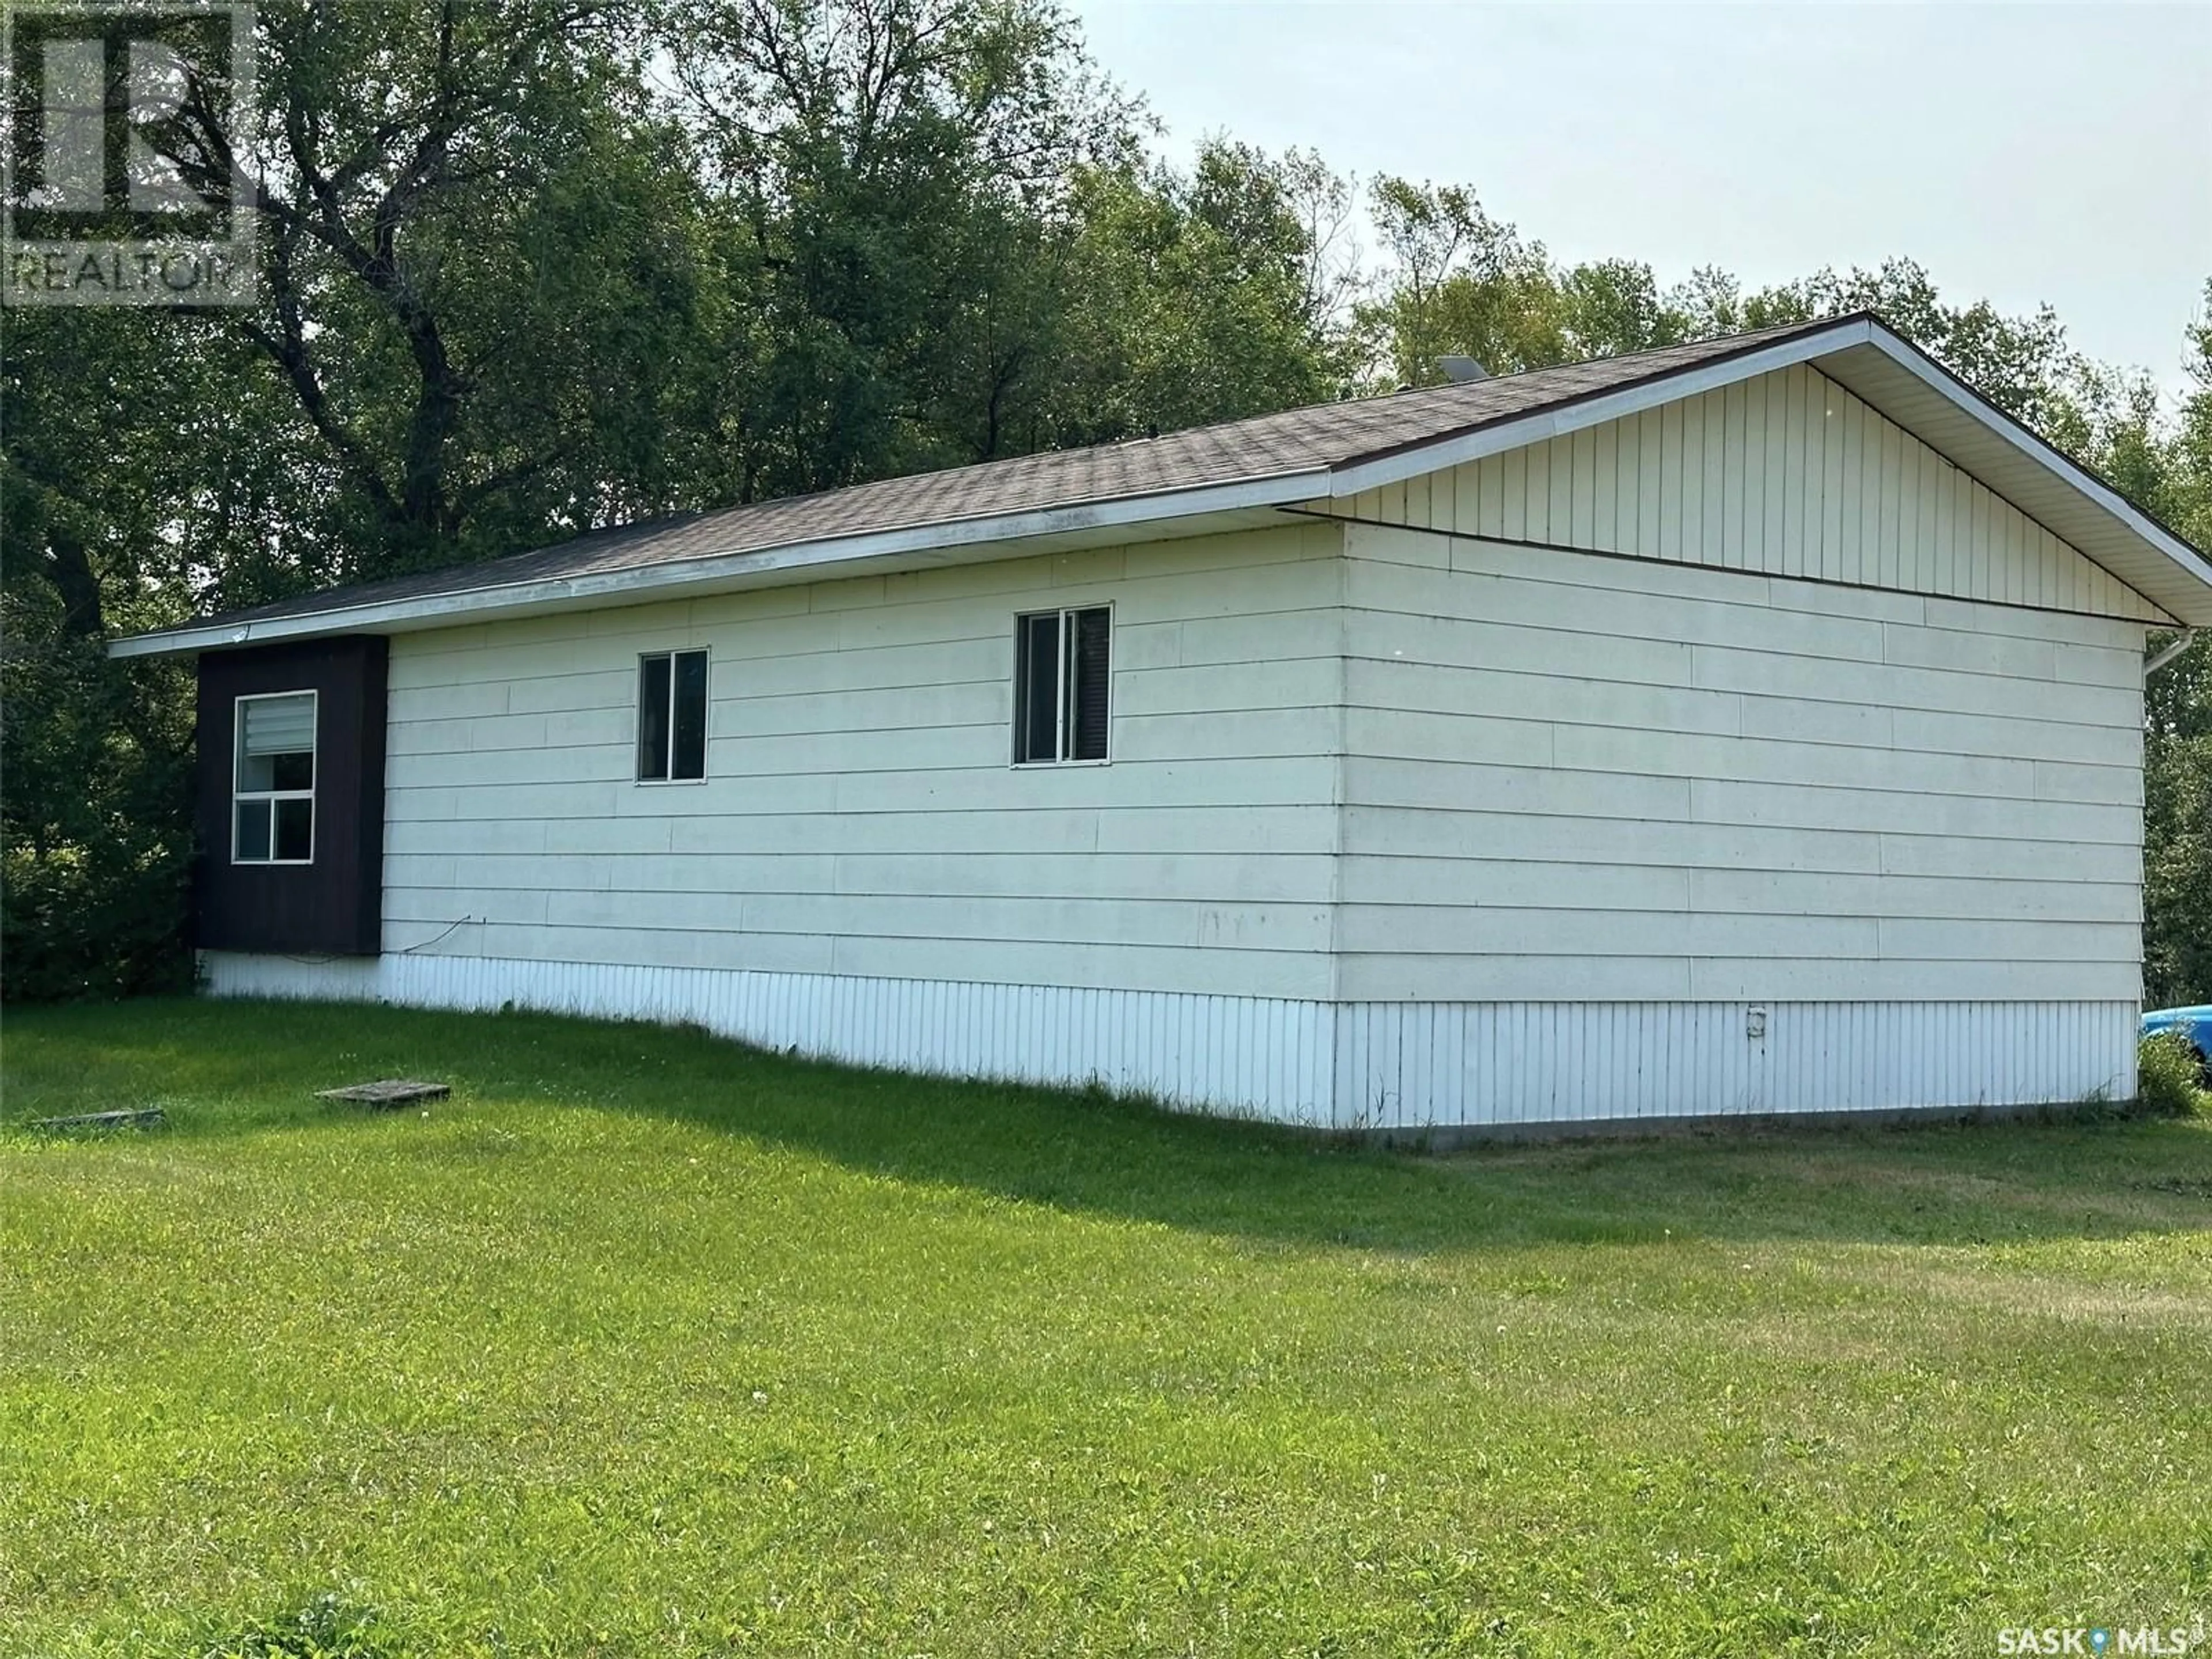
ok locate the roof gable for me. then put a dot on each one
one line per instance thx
(1922, 397)
(1787, 473)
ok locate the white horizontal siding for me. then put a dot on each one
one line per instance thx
(1775, 930)
(1569, 777)
(1374, 1066)
(1511, 837)
(1668, 976)
(1307, 829)
(1787, 474)
(1202, 878)
(518, 924)
(1028, 920)
(858, 815)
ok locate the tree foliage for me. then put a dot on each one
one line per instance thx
(2178, 718)
(535, 266)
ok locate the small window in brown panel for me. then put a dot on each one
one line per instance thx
(273, 782)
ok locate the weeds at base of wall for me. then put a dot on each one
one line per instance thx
(2170, 1077)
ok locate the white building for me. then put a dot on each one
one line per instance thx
(1743, 727)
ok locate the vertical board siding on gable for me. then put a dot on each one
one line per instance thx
(1575, 780)
(859, 817)
(1787, 473)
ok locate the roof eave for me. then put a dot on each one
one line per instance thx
(2173, 576)
(830, 555)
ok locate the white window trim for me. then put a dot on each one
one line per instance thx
(272, 796)
(637, 717)
(1063, 657)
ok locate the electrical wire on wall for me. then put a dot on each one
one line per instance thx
(424, 944)
(405, 950)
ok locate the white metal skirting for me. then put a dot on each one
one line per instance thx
(1257, 1055)
(1391, 1065)
(1411, 1065)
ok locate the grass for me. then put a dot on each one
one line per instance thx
(645, 1344)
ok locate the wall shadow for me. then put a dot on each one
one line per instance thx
(236, 1067)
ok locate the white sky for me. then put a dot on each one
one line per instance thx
(2059, 153)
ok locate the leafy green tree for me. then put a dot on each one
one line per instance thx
(2177, 732)
(130, 474)
(1193, 298)
(2177, 832)
(887, 178)
(952, 248)
(1611, 306)
(1460, 282)
(483, 265)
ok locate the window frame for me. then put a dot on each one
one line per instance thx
(637, 712)
(1063, 739)
(271, 797)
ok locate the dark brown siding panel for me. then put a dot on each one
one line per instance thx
(333, 905)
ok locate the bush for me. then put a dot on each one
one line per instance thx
(2169, 1075)
(95, 838)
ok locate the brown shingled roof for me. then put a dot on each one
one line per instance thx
(1295, 441)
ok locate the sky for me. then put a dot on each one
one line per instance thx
(2025, 154)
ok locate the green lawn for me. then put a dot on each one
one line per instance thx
(646, 1344)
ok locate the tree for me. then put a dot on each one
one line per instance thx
(2177, 732)
(104, 512)
(483, 267)
(1459, 281)
(2024, 365)
(888, 181)
(1612, 306)
(1195, 298)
